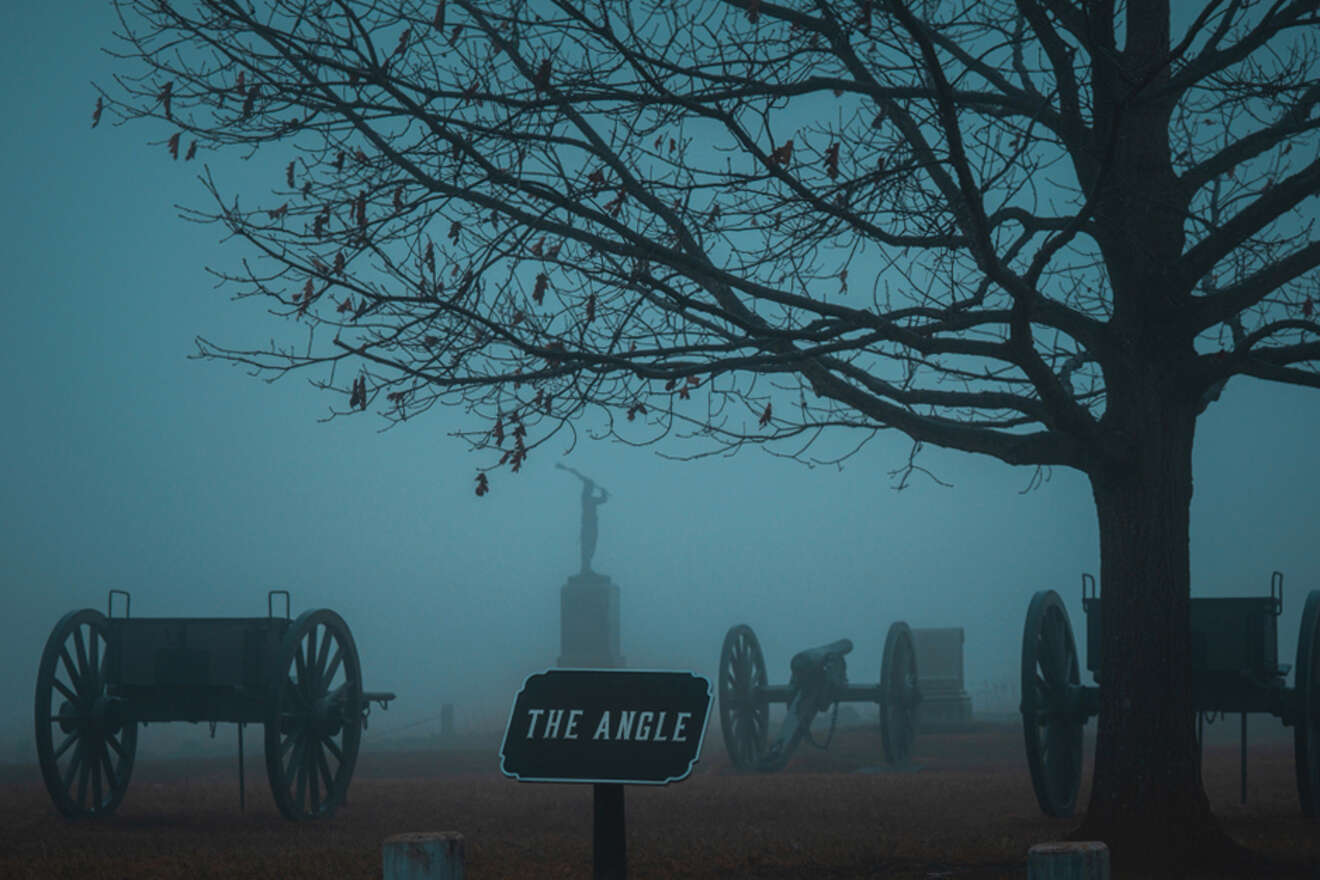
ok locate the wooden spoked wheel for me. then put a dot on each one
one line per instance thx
(899, 696)
(744, 710)
(84, 746)
(314, 717)
(1306, 726)
(1053, 731)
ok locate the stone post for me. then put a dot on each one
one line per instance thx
(432, 855)
(1068, 860)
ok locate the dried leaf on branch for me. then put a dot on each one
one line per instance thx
(542, 80)
(358, 398)
(832, 160)
(780, 156)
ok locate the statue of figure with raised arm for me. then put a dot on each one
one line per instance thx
(590, 501)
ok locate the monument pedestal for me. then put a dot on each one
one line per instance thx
(589, 622)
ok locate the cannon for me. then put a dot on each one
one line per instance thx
(1234, 668)
(101, 675)
(818, 681)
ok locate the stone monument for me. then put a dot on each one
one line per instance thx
(945, 704)
(589, 601)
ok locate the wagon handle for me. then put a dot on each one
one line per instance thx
(1093, 593)
(110, 603)
(1276, 583)
(270, 602)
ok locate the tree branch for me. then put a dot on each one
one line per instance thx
(1216, 308)
(1273, 203)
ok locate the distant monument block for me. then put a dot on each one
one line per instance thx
(589, 601)
(945, 704)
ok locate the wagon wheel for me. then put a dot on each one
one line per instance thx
(899, 696)
(314, 716)
(744, 711)
(84, 746)
(1053, 732)
(1306, 726)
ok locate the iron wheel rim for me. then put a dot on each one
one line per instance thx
(899, 695)
(1306, 728)
(314, 723)
(744, 710)
(85, 749)
(1053, 737)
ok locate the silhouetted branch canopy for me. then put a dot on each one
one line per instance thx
(981, 224)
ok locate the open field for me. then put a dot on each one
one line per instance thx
(966, 812)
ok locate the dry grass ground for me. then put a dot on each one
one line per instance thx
(967, 812)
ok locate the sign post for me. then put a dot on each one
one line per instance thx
(609, 836)
(608, 727)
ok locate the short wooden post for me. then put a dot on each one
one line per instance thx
(1243, 747)
(242, 799)
(427, 855)
(1068, 860)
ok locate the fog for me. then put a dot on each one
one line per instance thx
(198, 488)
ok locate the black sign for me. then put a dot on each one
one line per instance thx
(606, 725)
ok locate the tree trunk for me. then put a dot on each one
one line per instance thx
(1147, 801)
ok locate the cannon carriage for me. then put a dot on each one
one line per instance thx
(1234, 669)
(818, 681)
(102, 675)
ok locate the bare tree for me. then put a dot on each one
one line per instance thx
(1046, 231)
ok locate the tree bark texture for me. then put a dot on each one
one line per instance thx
(1147, 800)
(1145, 747)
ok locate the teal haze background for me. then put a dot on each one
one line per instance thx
(128, 465)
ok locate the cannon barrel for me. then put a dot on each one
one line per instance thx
(812, 658)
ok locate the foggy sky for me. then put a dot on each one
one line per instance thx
(198, 488)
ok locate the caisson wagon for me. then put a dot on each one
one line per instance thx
(1235, 668)
(102, 675)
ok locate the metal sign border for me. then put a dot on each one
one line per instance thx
(696, 757)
